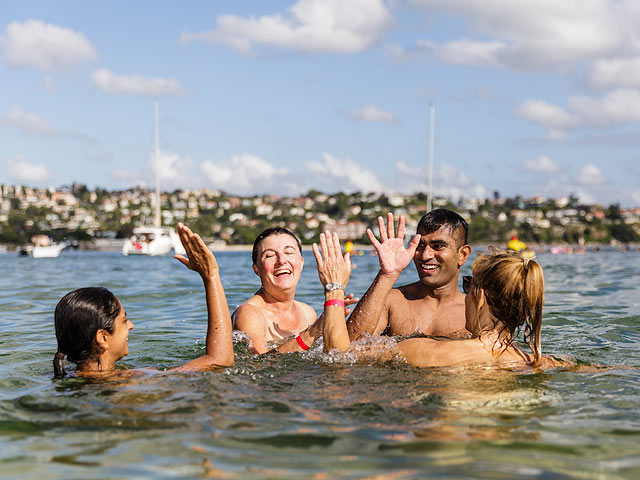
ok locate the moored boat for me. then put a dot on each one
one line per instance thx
(152, 241)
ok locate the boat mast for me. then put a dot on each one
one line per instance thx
(157, 220)
(430, 158)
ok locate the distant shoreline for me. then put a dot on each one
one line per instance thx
(115, 245)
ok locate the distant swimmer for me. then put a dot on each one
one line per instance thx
(272, 318)
(348, 246)
(518, 246)
(515, 244)
(434, 304)
(504, 294)
(92, 327)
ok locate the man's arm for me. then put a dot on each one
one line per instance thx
(372, 313)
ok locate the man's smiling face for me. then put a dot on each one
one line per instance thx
(438, 258)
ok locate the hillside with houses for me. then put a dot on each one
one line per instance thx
(79, 213)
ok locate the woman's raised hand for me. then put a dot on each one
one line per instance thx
(200, 259)
(392, 255)
(333, 267)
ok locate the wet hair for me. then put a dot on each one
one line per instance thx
(78, 317)
(514, 289)
(441, 217)
(267, 233)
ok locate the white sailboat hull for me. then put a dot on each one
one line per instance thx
(152, 241)
(50, 251)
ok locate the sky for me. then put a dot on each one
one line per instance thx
(531, 97)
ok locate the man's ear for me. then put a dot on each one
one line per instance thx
(102, 338)
(255, 269)
(463, 254)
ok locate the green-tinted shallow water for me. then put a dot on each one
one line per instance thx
(302, 415)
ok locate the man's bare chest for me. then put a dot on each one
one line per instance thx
(421, 317)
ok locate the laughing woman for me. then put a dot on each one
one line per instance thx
(273, 314)
(505, 293)
(92, 327)
(272, 318)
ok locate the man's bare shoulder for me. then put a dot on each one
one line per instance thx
(411, 291)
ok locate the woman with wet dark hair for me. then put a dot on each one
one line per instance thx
(92, 327)
(84, 319)
(272, 318)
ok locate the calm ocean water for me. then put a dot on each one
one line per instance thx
(299, 415)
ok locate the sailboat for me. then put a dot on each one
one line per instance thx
(43, 247)
(154, 239)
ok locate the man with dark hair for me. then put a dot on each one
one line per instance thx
(433, 305)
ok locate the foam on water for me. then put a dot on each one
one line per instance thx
(307, 414)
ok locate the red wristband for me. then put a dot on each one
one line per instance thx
(303, 345)
(335, 301)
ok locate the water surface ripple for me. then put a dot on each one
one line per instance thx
(299, 415)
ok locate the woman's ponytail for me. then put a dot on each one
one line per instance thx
(58, 365)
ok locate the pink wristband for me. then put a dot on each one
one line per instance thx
(303, 345)
(336, 301)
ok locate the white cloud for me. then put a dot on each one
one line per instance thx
(21, 171)
(557, 135)
(336, 26)
(616, 72)
(49, 84)
(542, 164)
(135, 84)
(467, 52)
(459, 52)
(550, 116)
(44, 46)
(28, 122)
(615, 108)
(448, 181)
(174, 171)
(246, 173)
(533, 34)
(619, 107)
(343, 174)
(371, 113)
(590, 176)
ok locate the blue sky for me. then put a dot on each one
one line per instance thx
(532, 97)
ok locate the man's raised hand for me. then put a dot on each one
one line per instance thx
(392, 254)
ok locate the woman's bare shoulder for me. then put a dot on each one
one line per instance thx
(251, 310)
(306, 309)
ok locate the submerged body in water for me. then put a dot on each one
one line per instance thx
(313, 414)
